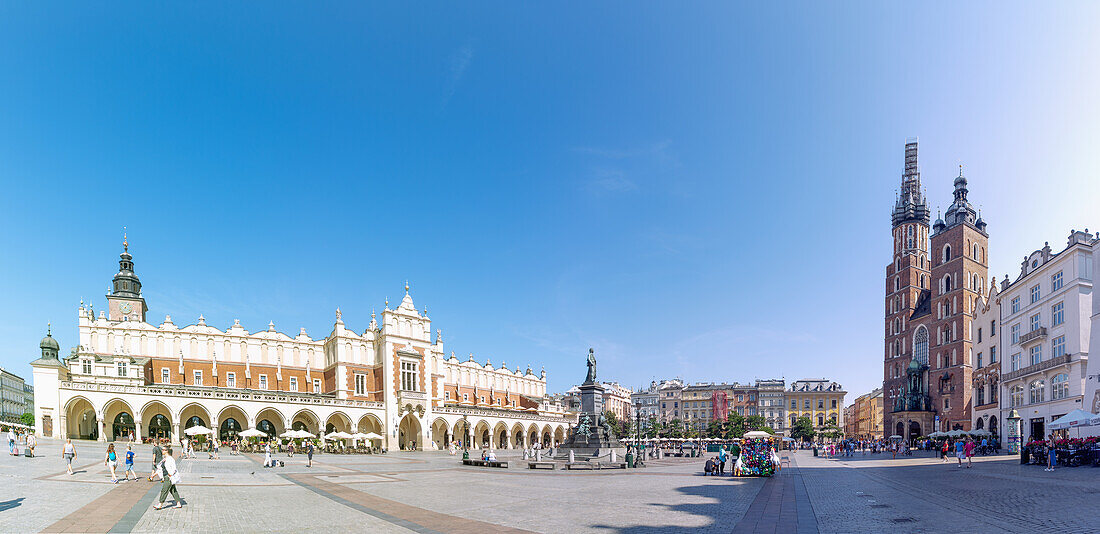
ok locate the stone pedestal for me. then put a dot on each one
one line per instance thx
(589, 439)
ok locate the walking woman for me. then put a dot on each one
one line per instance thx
(1051, 457)
(171, 476)
(111, 461)
(68, 452)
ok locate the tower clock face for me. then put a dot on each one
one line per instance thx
(125, 308)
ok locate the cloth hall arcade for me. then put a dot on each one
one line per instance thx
(130, 376)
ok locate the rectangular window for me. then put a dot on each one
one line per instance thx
(86, 366)
(1056, 281)
(230, 380)
(1035, 323)
(981, 395)
(979, 335)
(1015, 363)
(794, 404)
(979, 364)
(316, 385)
(1058, 347)
(947, 403)
(1057, 314)
(446, 395)
(807, 403)
(121, 368)
(293, 383)
(164, 376)
(263, 381)
(408, 376)
(993, 327)
(1016, 305)
(198, 378)
(1016, 333)
(1036, 353)
(360, 384)
(1035, 293)
(992, 354)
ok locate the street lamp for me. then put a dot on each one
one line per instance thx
(466, 438)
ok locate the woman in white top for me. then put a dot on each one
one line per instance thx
(267, 455)
(68, 452)
(171, 477)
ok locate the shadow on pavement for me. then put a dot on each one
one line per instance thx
(8, 505)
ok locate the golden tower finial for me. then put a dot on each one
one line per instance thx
(125, 244)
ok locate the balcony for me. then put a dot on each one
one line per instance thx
(1041, 366)
(1038, 333)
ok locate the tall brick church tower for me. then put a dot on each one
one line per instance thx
(932, 285)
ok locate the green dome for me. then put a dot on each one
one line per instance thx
(49, 342)
(914, 364)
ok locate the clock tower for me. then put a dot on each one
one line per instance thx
(125, 301)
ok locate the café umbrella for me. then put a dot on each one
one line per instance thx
(252, 433)
(197, 429)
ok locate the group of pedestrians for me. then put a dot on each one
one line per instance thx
(961, 448)
(164, 467)
(15, 436)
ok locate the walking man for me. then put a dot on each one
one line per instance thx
(722, 460)
(158, 457)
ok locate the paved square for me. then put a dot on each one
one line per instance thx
(431, 492)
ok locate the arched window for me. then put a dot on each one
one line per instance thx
(920, 345)
(1059, 387)
(977, 283)
(1036, 391)
(946, 253)
(946, 283)
(821, 420)
(1017, 395)
(897, 283)
(975, 251)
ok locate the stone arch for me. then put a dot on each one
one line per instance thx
(559, 435)
(369, 423)
(193, 414)
(519, 437)
(482, 434)
(532, 435)
(231, 420)
(462, 433)
(408, 433)
(271, 421)
(306, 419)
(81, 419)
(441, 433)
(156, 420)
(500, 435)
(338, 422)
(547, 437)
(118, 420)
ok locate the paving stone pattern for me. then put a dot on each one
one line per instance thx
(430, 492)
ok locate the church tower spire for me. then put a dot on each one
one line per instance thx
(911, 206)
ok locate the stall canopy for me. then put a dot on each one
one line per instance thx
(252, 433)
(197, 429)
(757, 434)
(1075, 418)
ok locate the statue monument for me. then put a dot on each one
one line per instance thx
(592, 438)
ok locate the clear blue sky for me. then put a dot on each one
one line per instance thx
(699, 191)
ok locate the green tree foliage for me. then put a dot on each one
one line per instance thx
(653, 428)
(28, 419)
(803, 429)
(757, 422)
(675, 429)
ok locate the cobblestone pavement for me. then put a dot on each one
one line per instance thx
(875, 493)
(431, 492)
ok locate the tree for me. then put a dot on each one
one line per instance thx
(675, 429)
(28, 419)
(832, 431)
(716, 429)
(757, 422)
(735, 426)
(653, 427)
(803, 429)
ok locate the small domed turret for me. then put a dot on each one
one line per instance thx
(49, 345)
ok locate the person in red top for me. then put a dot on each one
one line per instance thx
(943, 450)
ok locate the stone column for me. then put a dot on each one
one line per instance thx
(102, 434)
(175, 433)
(138, 434)
(62, 430)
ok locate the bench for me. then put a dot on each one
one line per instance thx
(484, 463)
(542, 465)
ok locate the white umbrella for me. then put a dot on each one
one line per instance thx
(372, 435)
(338, 435)
(1077, 417)
(757, 434)
(895, 436)
(251, 433)
(197, 429)
(303, 434)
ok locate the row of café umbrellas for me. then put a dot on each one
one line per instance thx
(960, 433)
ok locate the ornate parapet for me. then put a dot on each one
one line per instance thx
(199, 392)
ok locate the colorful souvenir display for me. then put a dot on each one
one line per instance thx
(757, 458)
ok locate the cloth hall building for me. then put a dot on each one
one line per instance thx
(129, 376)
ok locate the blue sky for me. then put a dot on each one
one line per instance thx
(699, 191)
